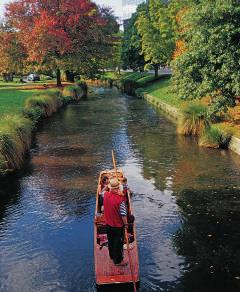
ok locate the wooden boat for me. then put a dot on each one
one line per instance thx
(106, 272)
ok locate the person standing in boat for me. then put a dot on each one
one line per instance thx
(116, 218)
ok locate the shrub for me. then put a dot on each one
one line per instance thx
(11, 145)
(73, 91)
(194, 121)
(22, 128)
(129, 86)
(15, 140)
(35, 114)
(83, 86)
(214, 138)
(48, 103)
(139, 92)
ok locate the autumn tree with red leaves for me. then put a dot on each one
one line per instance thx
(12, 53)
(60, 34)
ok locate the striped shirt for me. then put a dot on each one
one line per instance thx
(123, 209)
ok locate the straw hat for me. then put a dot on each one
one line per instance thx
(114, 184)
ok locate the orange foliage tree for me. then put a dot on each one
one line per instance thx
(12, 54)
(57, 32)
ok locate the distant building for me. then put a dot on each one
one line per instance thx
(129, 7)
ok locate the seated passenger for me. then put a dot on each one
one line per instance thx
(125, 188)
(103, 187)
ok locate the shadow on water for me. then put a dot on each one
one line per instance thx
(10, 187)
(209, 239)
(117, 288)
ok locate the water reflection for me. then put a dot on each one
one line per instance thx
(209, 239)
(185, 202)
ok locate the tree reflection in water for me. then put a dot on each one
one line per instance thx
(210, 239)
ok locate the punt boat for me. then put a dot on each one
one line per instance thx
(105, 270)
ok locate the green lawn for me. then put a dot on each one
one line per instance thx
(12, 100)
(162, 89)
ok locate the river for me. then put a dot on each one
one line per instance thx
(186, 201)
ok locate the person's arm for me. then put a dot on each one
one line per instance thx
(99, 189)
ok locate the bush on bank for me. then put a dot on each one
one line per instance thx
(15, 140)
(16, 130)
(194, 120)
(83, 85)
(214, 138)
(72, 92)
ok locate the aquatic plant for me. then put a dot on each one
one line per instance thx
(194, 121)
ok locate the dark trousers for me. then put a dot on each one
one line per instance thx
(115, 237)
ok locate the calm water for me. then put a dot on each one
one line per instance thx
(186, 202)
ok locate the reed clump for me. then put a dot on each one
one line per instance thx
(48, 103)
(15, 140)
(194, 120)
(73, 92)
(213, 137)
(16, 130)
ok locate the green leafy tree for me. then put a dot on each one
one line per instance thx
(210, 64)
(131, 55)
(156, 28)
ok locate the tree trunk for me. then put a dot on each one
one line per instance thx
(59, 83)
(156, 71)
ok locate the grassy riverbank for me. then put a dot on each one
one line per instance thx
(161, 90)
(21, 107)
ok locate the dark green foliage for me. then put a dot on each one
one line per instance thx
(83, 86)
(139, 92)
(131, 44)
(210, 65)
(35, 114)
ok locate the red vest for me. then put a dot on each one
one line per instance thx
(111, 204)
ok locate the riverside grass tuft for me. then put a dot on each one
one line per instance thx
(16, 130)
(15, 139)
(213, 137)
(72, 92)
(194, 120)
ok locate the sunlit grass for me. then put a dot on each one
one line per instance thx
(12, 101)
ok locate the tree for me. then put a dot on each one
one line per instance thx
(59, 34)
(210, 64)
(131, 55)
(157, 33)
(12, 53)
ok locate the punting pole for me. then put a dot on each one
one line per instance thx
(130, 261)
(114, 163)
